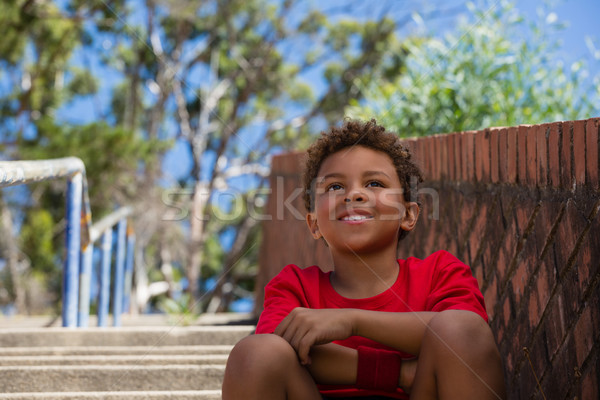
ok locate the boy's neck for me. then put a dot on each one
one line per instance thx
(363, 275)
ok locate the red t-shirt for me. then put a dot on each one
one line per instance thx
(436, 283)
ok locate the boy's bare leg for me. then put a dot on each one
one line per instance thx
(266, 367)
(458, 360)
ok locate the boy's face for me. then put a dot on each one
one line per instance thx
(359, 202)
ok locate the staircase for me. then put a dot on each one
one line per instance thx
(145, 359)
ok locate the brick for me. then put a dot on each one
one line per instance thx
(586, 262)
(487, 157)
(428, 158)
(464, 165)
(566, 156)
(417, 154)
(567, 232)
(579, 151)
(479, 156)
(560, 379)
(507, 314)
(478, 273)
(522, 154)
(569, 288)
(520, 337)
(457, 156)
(446, 170)
(436, 165)
(584, 336)
(467, 212)
(542, 155)
(523, 212)
(494, 149)
(519, 282)
(589, 383)
(469, 149)
(451, 165)
(493, 234)
(439, 149)
(592, 128)
(531, 144)
(497, 329)
(502, 263)
(502, 134)
(539, 357)
(435, 158)
(421, 151)
(543, 232)
(547, 274)
(585, 266)
(556, 325)
(554, 163)
(507, 248)
(491, 298)
(512, 170)
(430, 239)
(476, 237)
(545, 282)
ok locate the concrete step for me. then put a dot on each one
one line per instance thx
(126, 336)
(129, 395)
(131, 362)
(110, 378)
(20, 321)
(114, 350)
(137, 360)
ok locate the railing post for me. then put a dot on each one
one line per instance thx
(73, 240)
(104, 295)
(129, 269)
(85, 275)
(119, 273)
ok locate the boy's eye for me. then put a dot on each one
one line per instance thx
(375, 184)
(334, 186)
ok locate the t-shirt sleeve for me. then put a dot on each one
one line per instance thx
(282, 294)
(454, 287)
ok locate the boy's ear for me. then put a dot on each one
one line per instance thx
(411, 215)
(311, 221)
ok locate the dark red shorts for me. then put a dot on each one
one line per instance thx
(358, 398)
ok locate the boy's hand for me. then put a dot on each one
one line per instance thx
(305, 327)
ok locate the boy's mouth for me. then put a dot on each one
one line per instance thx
(356, 217)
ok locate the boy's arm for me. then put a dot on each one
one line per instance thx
(333, 364)
(400, 330)
(304, 328)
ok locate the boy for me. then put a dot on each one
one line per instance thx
(375, 327)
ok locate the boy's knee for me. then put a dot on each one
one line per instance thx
(261, 352)
(462, 330)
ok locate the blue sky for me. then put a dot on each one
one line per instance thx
(579, 15)
(582, 19)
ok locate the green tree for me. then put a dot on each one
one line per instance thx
(230, 81)
(229, 76)
(484, 74)
(38, 77)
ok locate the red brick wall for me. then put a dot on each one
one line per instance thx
(521, 206)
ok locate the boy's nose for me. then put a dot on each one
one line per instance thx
(355, 195)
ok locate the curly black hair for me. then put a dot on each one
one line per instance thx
(361, 133)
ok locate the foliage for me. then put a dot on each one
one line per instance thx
(37, 239)
(229, 76)
(112, 156)
(228, 83)
(34, 53)
(484, 74)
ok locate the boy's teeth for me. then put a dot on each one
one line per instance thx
(354, 218)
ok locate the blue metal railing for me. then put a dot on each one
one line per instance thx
(80, 238)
